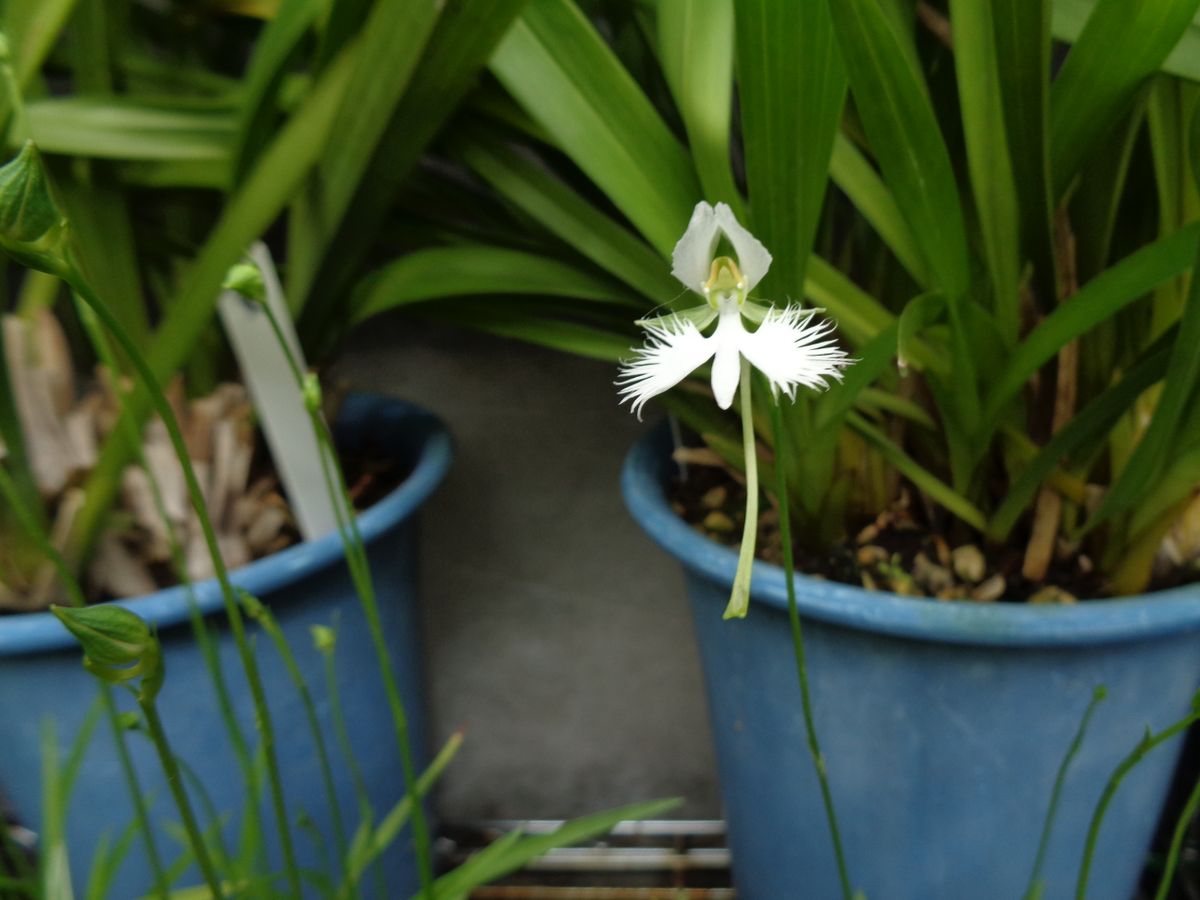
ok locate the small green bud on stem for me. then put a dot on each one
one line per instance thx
(117, 644)
(32, 227)
(247, 280)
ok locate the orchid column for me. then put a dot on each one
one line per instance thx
(789, 346)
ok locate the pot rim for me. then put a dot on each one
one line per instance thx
(1105, 621)
(40, 632)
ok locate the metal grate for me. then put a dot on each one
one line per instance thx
(683, 859)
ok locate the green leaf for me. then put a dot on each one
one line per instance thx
(1121, 45)
(953, 502)
(466, 270)
(860, 317)
(988, 162)
(102, 239)
(1086, 429)
(130, 129)
(1096, 302)
(537, 192)
(894, 105)
(564, 75)
(1022, 35)
(874, 360)
(1070, 16)
(851, 172)
(567, 337)
(461, 41)
(250, 210)
(695, 41)
(919, 314)
(260, 86)
(791, 86)
(33, 29)
(513, 853)
(1159, 444)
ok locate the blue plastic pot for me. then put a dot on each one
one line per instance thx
(41, 677)
(942, 724)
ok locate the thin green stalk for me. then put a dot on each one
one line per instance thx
(365, 811)
(789, 568)
(162, 406)
(1181, 827)
(1035, 889)
(204, 640)
(1148, 743)
(266, 620)
(161, 886)
(739, 597)
(28, 522)
(175, 783)
(360, 573)
(208, 650)
(75, 593)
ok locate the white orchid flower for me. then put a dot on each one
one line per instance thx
(789, 347)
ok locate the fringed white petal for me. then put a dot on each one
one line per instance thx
(752, 257)
(692, 257)
(727, 363)
(792, 348)
(675, 348)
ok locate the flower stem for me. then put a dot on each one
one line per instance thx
(739, 598)
(1181, 827)
(789, 567)
(1145, 745)
(1035, 888)
(71, 274)
(161, 885)
(360, 574)
(175, 783)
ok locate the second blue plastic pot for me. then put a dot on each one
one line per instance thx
(943, 726)
(42, 680)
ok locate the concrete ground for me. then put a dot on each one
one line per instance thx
(558, 635)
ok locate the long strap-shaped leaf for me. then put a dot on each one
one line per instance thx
(465, 34)
(1022, 34)
(792, 85)
(564, 75)
(1121, 45)
(1069, 17)
(988, 162)
(526, 183)
(1096, 302)
(471, 270)
(695, 40)
(858, 179)
(893, 102)
(1086, 428)
(249, 212)
(1178, 398)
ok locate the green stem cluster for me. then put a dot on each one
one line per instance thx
(71, 274)
(360, 573)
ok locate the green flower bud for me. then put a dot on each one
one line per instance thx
(312, 393)
(324, 638)
(117, 644)
(247, 280)
(31, 225)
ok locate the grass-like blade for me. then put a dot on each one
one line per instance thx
(466, 270)
(791, 87)
(560, 70)
(695, 40)
(1121, 45)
